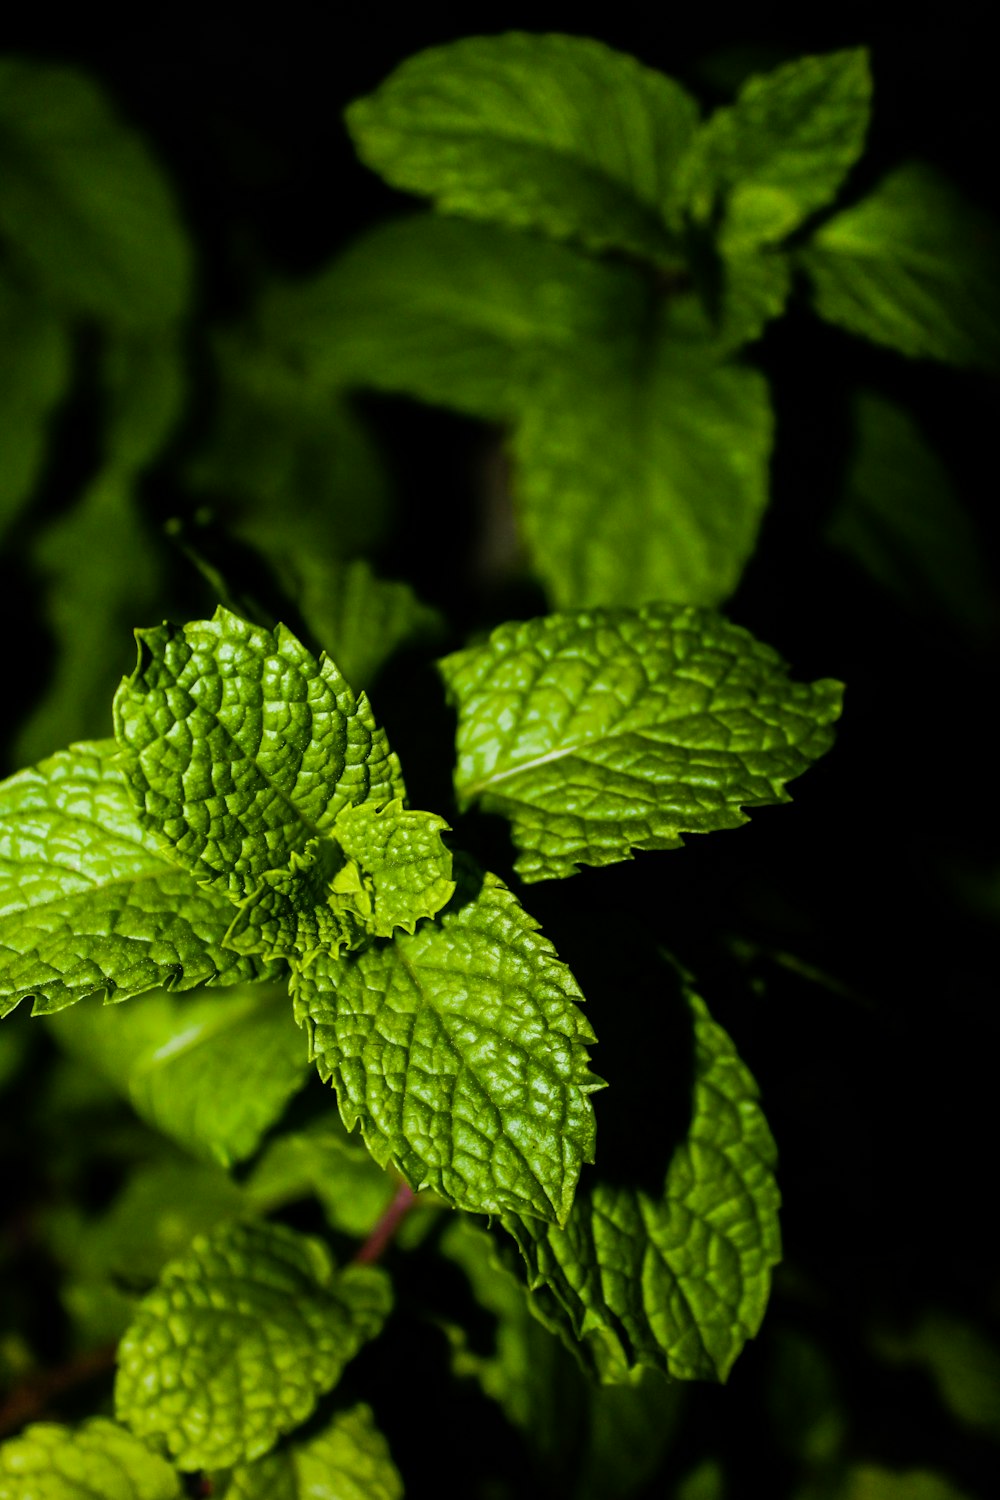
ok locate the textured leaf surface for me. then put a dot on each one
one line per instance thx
(240, 746)
(98, 1458)
(455, 313)
(401, 853)
(782, 150)
(641, 472)
(913, 265)
(88, 903)
(239, 1340)
(212, 1071)
(348, 1460)
(383, 868)
(557, 133)
(678, 1282)
(34, 372)
(84, 206)
(460, 1050)
(598, 733)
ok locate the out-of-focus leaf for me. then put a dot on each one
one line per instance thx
(901, 519)
(34, 373)
(961, 1359)
(83, 206)
(325, 1162)
(98, 1458)
(553, 133)
(212, 1071)
(913, 266)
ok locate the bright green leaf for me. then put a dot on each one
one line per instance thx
(83, 206)
(238, 1341)
(402, 855)
(641, 472)
(348, 1460)
(320, 904)
(460, 1050)
(782, 150)
(240, 746)
(453, 313)
(34, 374)
(88, 903)
(98, 1458)
(677, 1281)
(901, 519)
(599, 733)
(213, 1072)
(557, 133)
(913, 265)
(382, 868)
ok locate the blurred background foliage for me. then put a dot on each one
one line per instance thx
(165, 196)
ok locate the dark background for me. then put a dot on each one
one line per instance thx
(884, 872)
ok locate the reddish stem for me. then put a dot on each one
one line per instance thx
(386, 1227)
(31, 1399)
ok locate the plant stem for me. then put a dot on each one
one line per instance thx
(31, 1399)
(386, 1227)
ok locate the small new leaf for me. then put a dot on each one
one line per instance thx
(599, 733)
(320, 904)
(678, 1282)
(403, 858)
(460, 1051)
(98, 1458)
(238, 1341)
(913, 266)
(240, 747)
(88, 902)
(557, 133)
(782, 150)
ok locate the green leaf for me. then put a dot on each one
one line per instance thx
(320, 904)
(592, 1441)
(239, 1340)
(358, 618)
(598, 733)
(88, 904)
(557, 133)
(154, 1218)
(287, 464)
(239, 747)
(348, 1460)
(782, 150)
(213, 1072)
(677, 1281)
(913, 266)
(402, 855)
(901, 518)
(453, 313)
(460, 1050)
(641, 471)
(323, 1161)
(730, 305)
(871, 1482)
(83, 206)
(34, 375)
(961, 1359)
(100, 565)
(98, 1458)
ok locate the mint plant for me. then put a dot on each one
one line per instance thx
(350, 1031)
